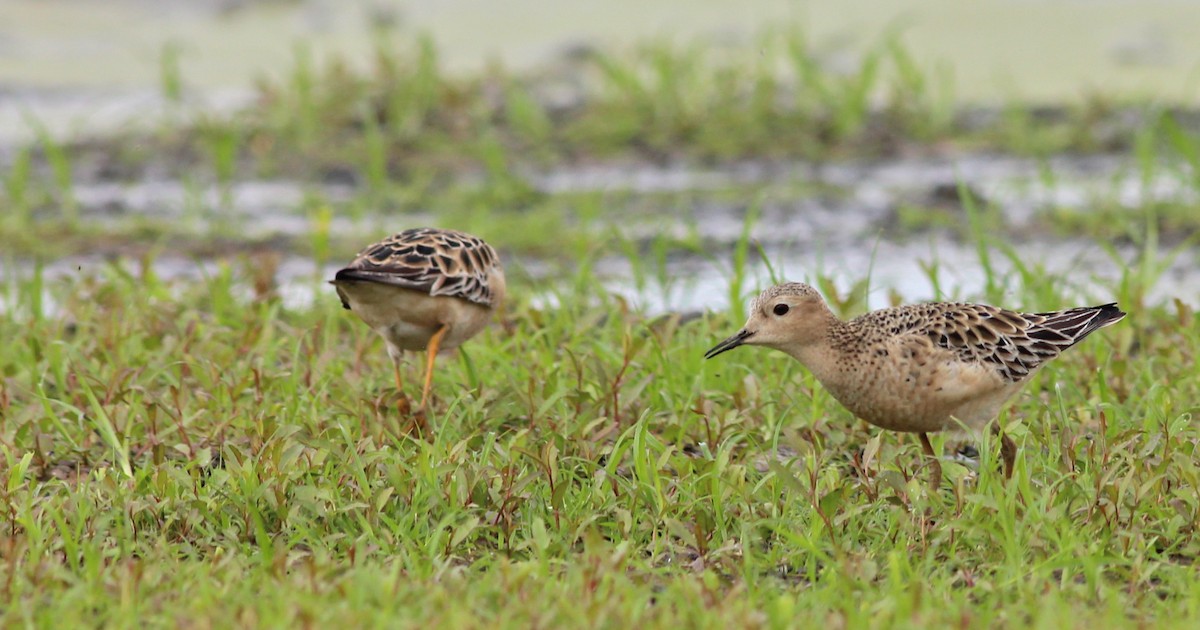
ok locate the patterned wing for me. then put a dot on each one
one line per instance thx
(435, 261)
(1015, 343)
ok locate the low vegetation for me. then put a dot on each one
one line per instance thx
(206, 451)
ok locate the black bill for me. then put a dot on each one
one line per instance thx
(729, 344)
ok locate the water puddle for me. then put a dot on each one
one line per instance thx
(907, 271)
(701, 283)
(258, 209)
(835, 220)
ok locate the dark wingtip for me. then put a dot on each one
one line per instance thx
(344, 275)
(341, 276)
(1110, 313)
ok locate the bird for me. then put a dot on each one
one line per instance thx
(918, 368)
(423, 289)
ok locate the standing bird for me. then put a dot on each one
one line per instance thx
(423, 289)
(919, 368)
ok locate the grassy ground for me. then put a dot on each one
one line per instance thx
(191, 454)
(196, 453)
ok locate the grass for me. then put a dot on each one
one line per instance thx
(197, 453)
(202, 452)
(1165, 175)
(411, 140)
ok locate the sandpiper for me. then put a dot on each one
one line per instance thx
(919, 368)
(423, 289)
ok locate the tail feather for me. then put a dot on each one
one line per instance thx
(1076, 323)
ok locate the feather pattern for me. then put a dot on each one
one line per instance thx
(1014, 344)
(920, 368)
(434, 261)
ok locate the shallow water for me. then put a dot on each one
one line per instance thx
(844, 230)
(1089, 273)
(77, 69)
(836, 204)
(856, 200)
(697, 284)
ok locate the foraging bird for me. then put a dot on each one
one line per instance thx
(423, 289)
(919, 368)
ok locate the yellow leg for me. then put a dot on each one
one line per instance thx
(935, 467)
(431, 351)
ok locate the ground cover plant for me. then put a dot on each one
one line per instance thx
(200, 451)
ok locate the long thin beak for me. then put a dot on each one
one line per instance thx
(729, 344)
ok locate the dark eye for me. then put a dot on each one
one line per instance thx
(781, 309)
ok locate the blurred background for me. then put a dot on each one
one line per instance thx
(680, 146)
(996, 51)
(192, 429)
